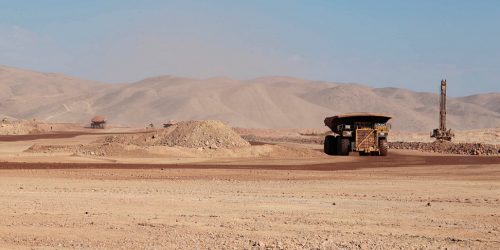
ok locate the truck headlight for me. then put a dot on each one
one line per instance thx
(382, 134)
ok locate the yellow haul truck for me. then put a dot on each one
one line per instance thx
(365, 133)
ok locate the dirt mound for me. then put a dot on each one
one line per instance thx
(15, 129)
(449, 147)
(118, 149)
(200, 134)
(197, 139)
(188, 134)
(302, 140)
(92, 149)
(490, 136)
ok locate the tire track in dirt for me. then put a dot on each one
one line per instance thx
(395, 160)
(56, 135)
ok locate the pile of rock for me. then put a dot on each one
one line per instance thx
(449, 147)
(15, 129)
(189, 134)
(203, 134)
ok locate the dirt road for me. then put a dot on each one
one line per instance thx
(408, 200)
(397, 158)
(361, 205)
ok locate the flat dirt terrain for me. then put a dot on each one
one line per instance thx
(287, 196)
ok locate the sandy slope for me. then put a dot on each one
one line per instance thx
(267, 102)
(490, 101)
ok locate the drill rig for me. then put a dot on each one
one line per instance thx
(441, 133)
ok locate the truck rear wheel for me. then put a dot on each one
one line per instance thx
(384, 148)
(343, 146)
(330, 145)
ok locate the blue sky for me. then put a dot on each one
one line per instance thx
(405, 44)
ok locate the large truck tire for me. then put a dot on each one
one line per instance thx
(326, 145)
(384, 148)
(343, 146)
(330, 145)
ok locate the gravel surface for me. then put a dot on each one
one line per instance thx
(449, 147)
(302, 140)
(407, 200)
(391, 208)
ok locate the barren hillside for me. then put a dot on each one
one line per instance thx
(267, 102)
(490, 101)
(53, 97)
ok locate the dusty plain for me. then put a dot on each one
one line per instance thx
(407, 200)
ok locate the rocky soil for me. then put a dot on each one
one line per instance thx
(302, 140)
(449, 147)
(15, 129)
(264, 132)
(389, 208)
(186, 139)
(32, 126)
(488, 136)
(122, 150)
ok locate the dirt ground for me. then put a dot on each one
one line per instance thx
(285, 200)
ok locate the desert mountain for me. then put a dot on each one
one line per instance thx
(490, 101)
(267, 102)
(22, 91)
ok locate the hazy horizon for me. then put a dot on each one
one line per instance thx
(411, 45)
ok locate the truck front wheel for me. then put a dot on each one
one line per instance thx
(343, 146)
(383, 147)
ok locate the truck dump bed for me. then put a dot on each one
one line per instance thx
(98, 119)
(350, 118)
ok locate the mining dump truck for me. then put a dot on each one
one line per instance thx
(365, 133)
(98, 122)
(169, 124)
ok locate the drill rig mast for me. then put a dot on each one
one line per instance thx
(441, 133)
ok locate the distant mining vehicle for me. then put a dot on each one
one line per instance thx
(441, 133)
(170, 123)
(98, 122)
(365, 133)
